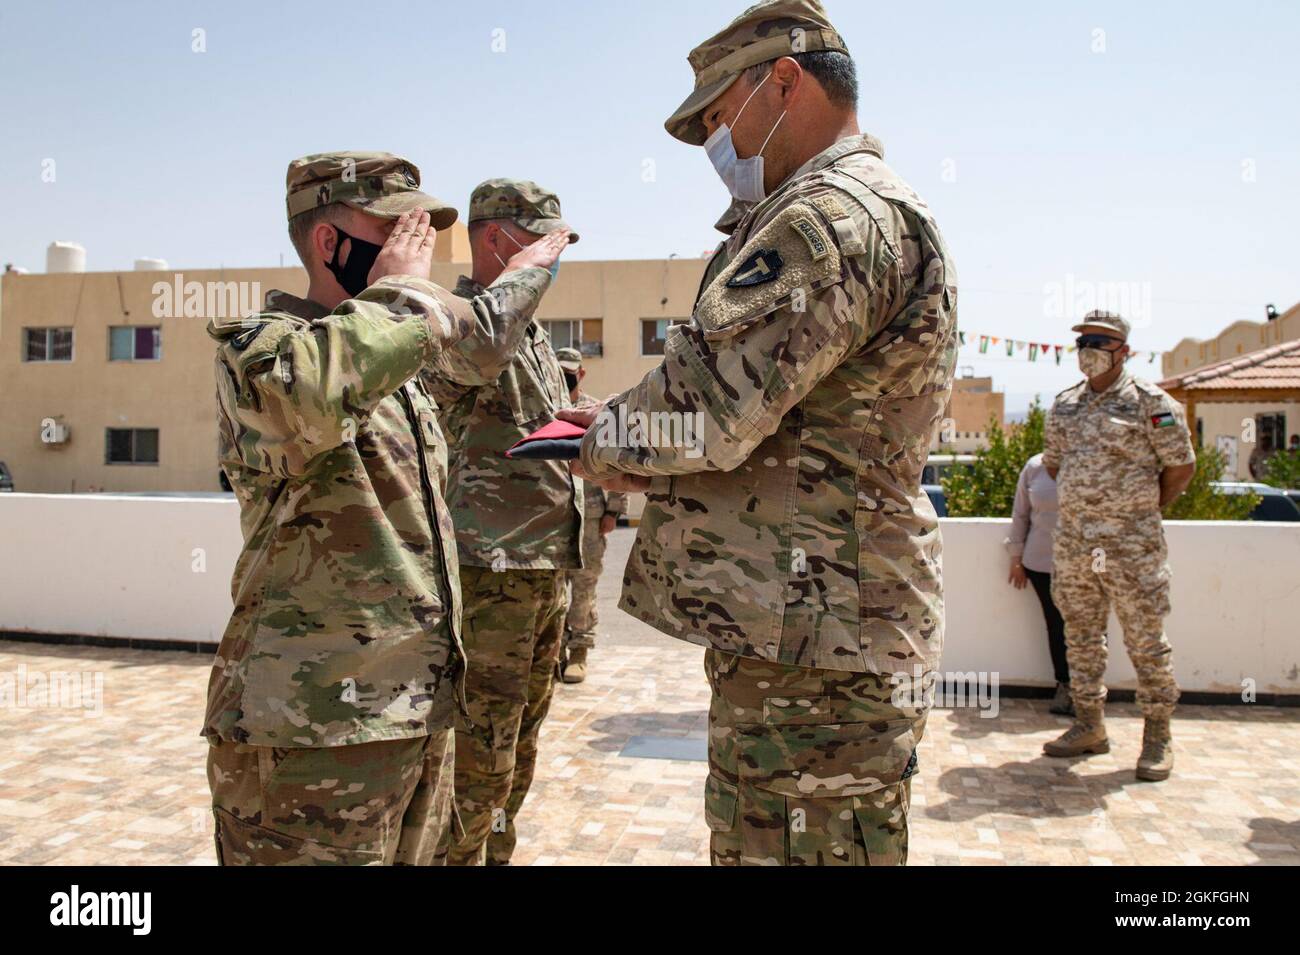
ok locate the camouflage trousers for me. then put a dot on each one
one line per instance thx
(1131, 574)
(806, 767)
(582, 620)
(514, 624)
(381, 803)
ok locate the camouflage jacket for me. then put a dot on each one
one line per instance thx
(347, 592)
(1109, 449)
(597, 502)
(508, 514)
(792, 526)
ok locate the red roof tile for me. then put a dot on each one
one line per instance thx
(1277, 366)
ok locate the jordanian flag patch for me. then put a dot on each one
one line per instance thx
(1163, 420)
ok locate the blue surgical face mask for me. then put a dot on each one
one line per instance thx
(742, 177)
(554, 269)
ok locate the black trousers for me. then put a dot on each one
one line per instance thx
(1055, 625)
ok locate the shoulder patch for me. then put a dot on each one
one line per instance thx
(764, 265)
(1165, 419)
(810, 232)
(781, 263)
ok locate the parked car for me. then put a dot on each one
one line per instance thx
(937, 498)
(939, 466)
(1274, 503)
(6, 479)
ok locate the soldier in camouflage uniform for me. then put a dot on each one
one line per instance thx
(1119, 450)
(333, 694)
(789, 533)
(600, 516)
(518, 529)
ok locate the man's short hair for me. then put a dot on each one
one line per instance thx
(301, 226)
(833, 70)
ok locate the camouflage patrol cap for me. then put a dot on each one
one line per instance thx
(379, 184)
(522, 201)
(766, 31)
(570, 359)
(1100, 319)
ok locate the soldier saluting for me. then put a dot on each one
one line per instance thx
(1120, 451)
(791, 537)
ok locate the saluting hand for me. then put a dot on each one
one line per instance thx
(408, 250)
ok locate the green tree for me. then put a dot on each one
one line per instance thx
(1282, 469)
(1202, 501)
(987, 488)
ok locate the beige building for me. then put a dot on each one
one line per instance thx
(106, 377)
(973, 404)
(1241, 388)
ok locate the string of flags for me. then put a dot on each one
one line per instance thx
(1032, 350)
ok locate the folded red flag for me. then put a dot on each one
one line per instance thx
(557, 441)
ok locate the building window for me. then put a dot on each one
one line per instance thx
(1270, 431)
(565, 333)
(584, 334)
(135, 343)
(47, 344)
(654, 332)
(131, 446)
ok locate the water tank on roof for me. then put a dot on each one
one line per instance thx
(151, 265)
(65, 257)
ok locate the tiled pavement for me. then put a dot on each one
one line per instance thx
(128, 786)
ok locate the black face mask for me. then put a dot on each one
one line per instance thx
(571, 380)
(355, 276)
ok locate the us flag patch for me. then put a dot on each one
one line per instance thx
(1164, 419)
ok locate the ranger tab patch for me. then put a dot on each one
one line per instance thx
(1164, 419)
(763, 266)
(814, 236)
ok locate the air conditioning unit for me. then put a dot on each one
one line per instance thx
(54, 432)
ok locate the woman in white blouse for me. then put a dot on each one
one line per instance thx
(1033, 519)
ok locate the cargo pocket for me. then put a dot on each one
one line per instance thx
(242, 843)
(720, 799)
(881, 819)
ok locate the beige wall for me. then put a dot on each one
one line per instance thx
(175, 394)
(973, 402)
(1239, 338)
(1226, 420)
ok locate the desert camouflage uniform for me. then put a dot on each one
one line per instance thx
(1109, 547)
(794, 539)
(332, 697)
(582, 620)
(518, 529)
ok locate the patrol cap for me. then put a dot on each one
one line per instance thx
(522, 201)
(766, 31)
(1101, 319)
(570, 359)
(379, 184)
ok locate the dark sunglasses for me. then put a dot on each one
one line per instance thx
(1096, 341)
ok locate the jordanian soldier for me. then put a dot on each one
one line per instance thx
(1120, 450)
(332, 697)
(518, 529)
(785, 527)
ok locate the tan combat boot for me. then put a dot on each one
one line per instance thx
(1157, 759)
(1087, 734)
(575, 668)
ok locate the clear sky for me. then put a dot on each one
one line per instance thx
(1148, 152)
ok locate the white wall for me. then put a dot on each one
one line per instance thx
(124, 566)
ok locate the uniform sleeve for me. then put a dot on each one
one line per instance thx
(500, 317)
(1167, 425)
(783, 314)
(292, 391)
(616, 502)
(1052, 440)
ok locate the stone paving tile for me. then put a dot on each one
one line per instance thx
(124, 783)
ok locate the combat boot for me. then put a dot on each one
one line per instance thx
(575, 668)
(1157, 759)
(1087, 734)
(1061, 703)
